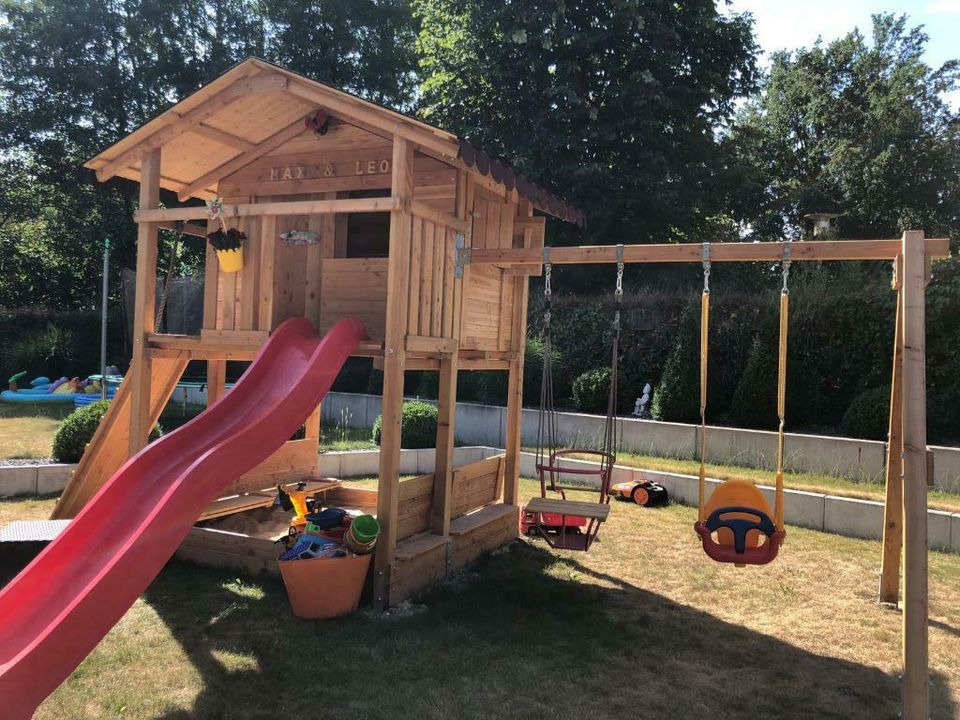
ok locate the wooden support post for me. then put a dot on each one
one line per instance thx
(312, 432)
(145, 304)
(394, 356)
(916, 700)
(216, 381)
(443, 466)
(511, 475)
(893, 507)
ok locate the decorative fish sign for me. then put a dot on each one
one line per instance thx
(300, 237)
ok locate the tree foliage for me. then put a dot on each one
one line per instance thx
(77, 76)
(615, 104)
(858, 127)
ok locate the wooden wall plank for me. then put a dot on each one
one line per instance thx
(355, 288)
(426, 278)
(476, 485)
(416, 258)
(439, 279)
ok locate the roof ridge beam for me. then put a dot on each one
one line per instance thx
(263, 82)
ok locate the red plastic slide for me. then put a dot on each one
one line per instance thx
(57, 610)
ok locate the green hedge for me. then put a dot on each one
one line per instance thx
(418, 426)
(840, 345)
(46, 342)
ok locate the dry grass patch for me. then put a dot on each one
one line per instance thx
(26, 432)
(644, 625)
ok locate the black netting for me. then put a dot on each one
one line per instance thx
(183, 313)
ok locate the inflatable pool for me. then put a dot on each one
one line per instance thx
(40, 393)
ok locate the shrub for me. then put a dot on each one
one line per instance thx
(418, 426)
(591, 390)
(492, 385)
(868, 415)
(77, 430)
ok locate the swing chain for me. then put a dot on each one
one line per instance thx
(786, 267)
(547, 288)
(705, 260)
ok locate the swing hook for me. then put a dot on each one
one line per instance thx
(785, 264)
(705, 260)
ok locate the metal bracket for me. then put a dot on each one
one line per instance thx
(463, 256)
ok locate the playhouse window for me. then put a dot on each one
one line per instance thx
(368, 234)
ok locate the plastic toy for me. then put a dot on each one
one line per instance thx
(296, 501)
(550, 522)
(643, 492)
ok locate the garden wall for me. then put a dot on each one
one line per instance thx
(843, 516)
(844, 457)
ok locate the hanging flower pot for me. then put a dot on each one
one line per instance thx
(229, 247)
(227, 243)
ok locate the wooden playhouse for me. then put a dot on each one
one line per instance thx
(394, 206)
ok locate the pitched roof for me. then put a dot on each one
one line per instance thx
(256, 107)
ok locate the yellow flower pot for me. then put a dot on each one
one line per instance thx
(231, 261)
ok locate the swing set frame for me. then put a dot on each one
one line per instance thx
(907, 477)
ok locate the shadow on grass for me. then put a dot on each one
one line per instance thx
(518, 637)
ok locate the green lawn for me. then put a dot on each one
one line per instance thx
(641, 626)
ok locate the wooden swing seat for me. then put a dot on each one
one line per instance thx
(594, 510)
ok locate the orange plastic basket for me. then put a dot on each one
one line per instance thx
(324, 587)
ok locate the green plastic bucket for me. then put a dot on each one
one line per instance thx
(362, 534)
(365, 529)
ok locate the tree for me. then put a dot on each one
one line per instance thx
(854, 127)
(78, 75)
(613, 104)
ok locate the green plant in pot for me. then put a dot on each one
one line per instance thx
(228, 242)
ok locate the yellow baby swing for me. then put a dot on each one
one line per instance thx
(736, 525)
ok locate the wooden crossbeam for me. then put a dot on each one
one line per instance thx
(186, 229)
(428, 212)
(265, 82)
(224, 138)
(719, 252)
(300, 207)
(241, 161)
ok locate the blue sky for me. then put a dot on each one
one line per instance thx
(791, 24)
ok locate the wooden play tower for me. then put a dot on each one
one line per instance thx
(396, 205)
(431, 243)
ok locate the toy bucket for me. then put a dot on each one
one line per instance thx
(324, 587)
(362, 534)
(231, 261)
